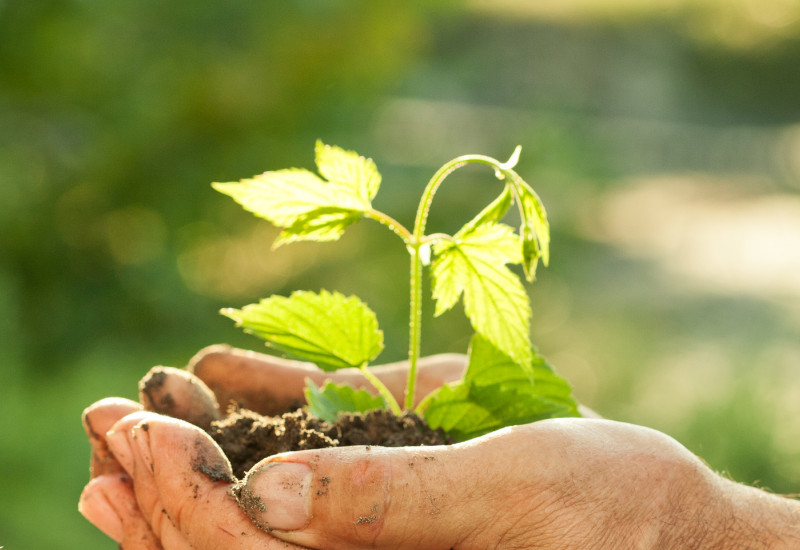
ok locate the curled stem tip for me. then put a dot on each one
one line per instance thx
(513, 159)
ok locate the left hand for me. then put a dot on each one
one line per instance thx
(263, 383)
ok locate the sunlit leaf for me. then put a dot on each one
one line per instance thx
(332, 399)
(494, 212)
(349, 169)
(497, 392)
(306, 206)
(328, 329)
(473, 264)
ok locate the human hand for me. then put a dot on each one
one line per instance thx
(263, 383)
(570, 483)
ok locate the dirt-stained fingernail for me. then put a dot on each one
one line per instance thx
(141, 439)
(277, 496)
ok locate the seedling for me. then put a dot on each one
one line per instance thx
(506, 381)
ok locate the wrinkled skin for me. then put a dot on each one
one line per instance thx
(158, 481)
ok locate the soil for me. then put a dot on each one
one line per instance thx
(247, 437)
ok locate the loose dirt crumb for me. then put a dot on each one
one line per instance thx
(250, 503)
(366, 519)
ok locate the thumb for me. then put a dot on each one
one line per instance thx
(181, 483)
(355, 497)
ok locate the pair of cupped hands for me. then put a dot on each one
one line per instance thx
(159, 481)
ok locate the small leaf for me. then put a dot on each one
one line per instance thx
(305, 206)
(334, 399)
(473, 264)
(328, 329)
(534, 230)
(349, 169)
(494, 212)
(497, 392)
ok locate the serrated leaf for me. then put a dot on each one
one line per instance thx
(348, 168)
(323, 224)
(333, 399)
(494, 212)
(534, 229)
(497, 392)
(306, 206)
(472, 264)
(328, 329)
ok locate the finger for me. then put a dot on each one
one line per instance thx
(177, 393)
(109, 503)
(272, 385)
(182, 482)
(409, 497)
(122, 442)
(97, 419)
(262, 383)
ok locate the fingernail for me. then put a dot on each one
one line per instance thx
(142, 441)
(118, 445)
(95, 506)
(278, 496)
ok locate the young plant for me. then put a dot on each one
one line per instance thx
(506, 381)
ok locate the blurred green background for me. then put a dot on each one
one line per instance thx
(663, 136)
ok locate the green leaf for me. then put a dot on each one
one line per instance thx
(534, 230)
(497, 392)
(305, 206)
(473, 264)
(349, 169)
(328, 329)
(323, 224)
(334, 399)
(494, 212)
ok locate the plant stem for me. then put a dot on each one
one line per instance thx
(417, 239)
(442, 173)
(384, 219)
(414, 323)
(382, 389)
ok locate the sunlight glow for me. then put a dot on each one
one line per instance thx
(731, 23)
(708, 233)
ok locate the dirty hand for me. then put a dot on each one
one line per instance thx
(569, 483)
(262, 383)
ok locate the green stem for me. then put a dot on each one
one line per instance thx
(414, 324)
(439, 177)
(384, 219)
(417, 239)
(382, 389)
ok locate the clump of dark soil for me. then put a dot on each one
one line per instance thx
(247, 437)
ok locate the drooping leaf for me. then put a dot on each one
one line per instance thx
(497, 392)
(332, 399)
(306, 206)
(473, 264)
(328, 329)
(534, 229)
